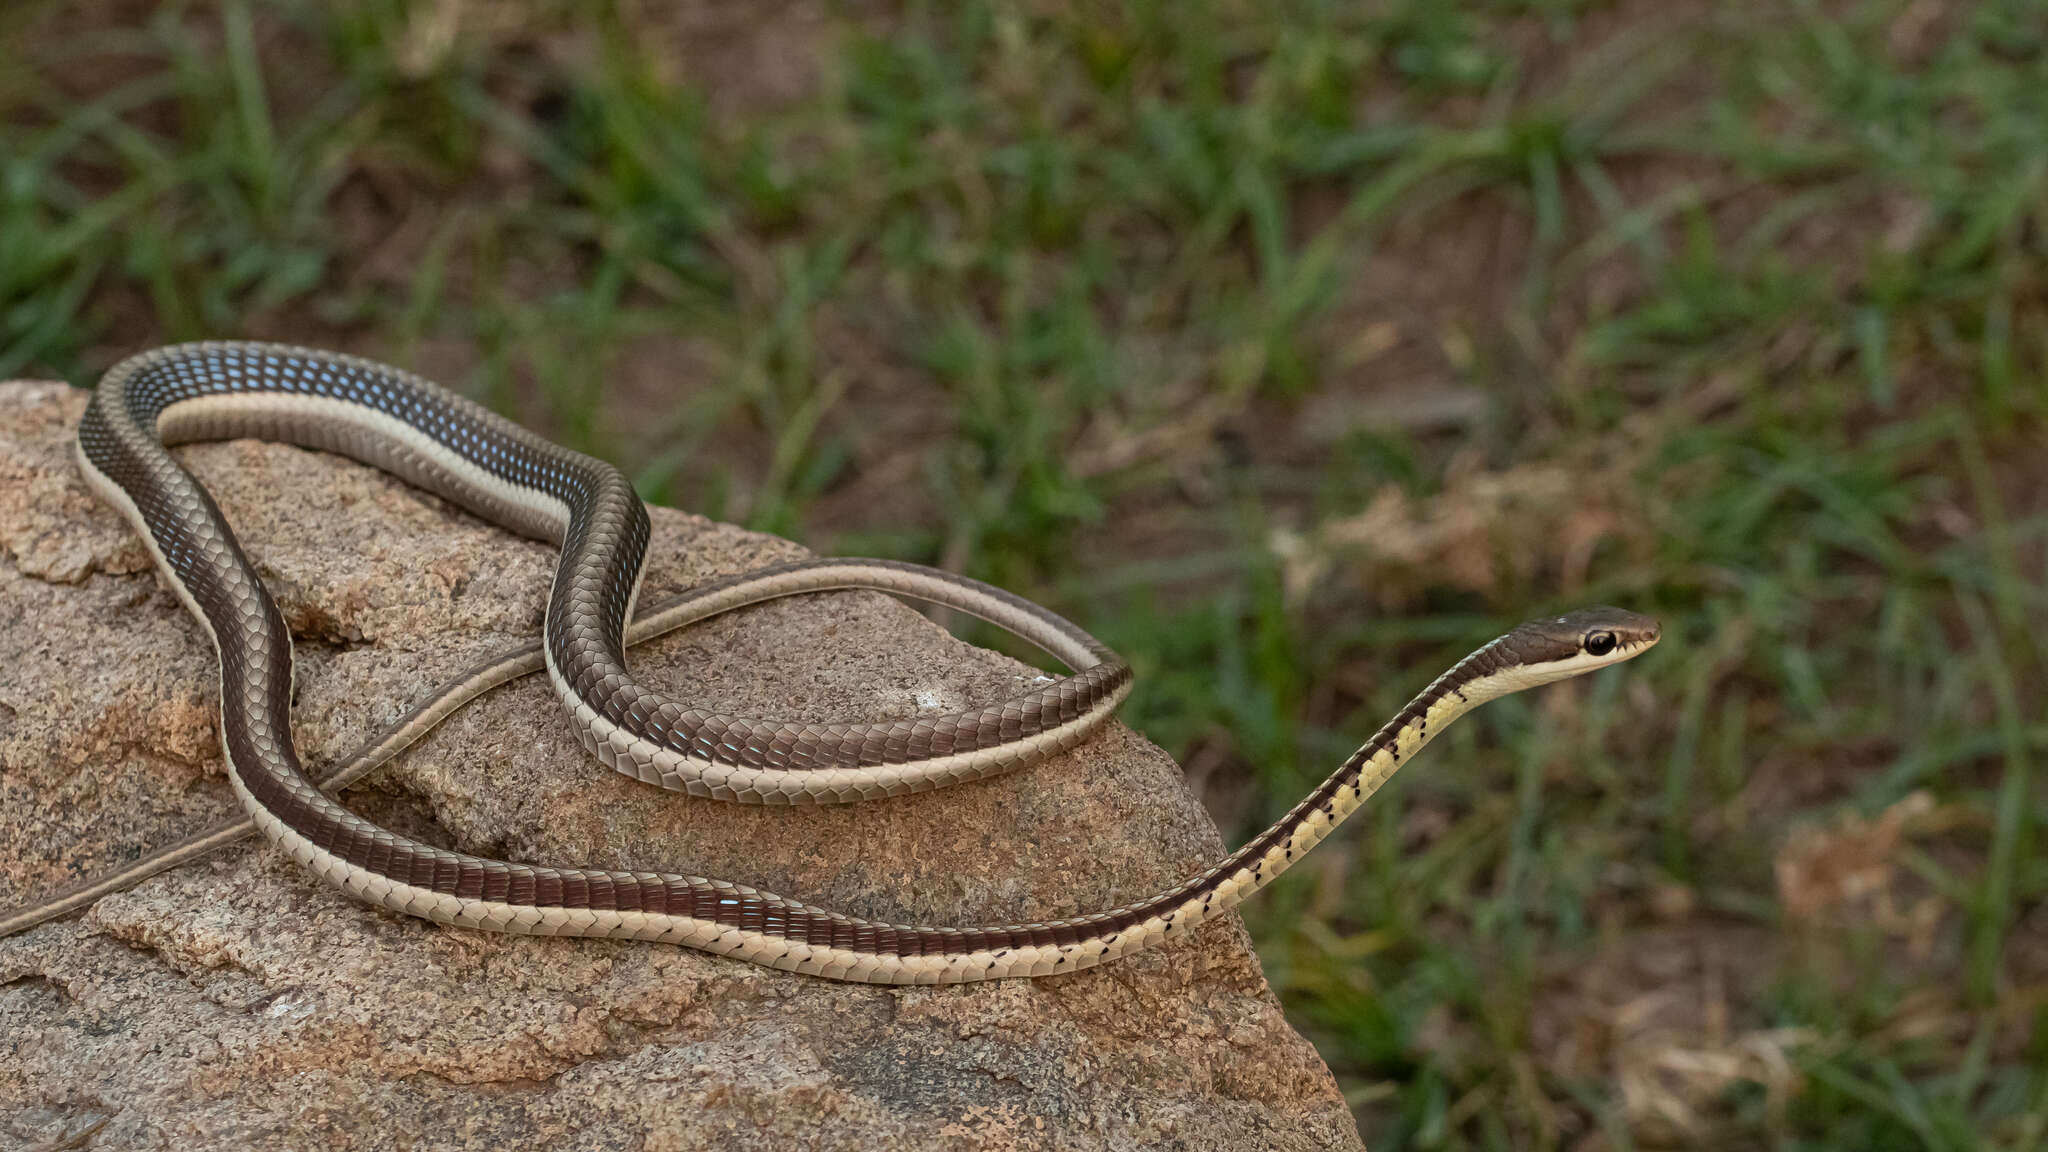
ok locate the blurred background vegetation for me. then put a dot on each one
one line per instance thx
(1292, 347)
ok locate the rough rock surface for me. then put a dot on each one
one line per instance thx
(239, 1004)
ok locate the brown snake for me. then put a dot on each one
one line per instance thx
(426, 435)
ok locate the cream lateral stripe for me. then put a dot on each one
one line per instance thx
(673, 612)
(398, 421)
(1242, 878)
(369, 437)
(400, 448)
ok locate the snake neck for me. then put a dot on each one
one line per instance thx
(1471, 682)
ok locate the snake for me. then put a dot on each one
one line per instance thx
(442, 442)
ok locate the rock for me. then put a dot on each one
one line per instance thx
(239, 1003)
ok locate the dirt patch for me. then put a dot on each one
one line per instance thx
(1662, 1012)
(746, 59)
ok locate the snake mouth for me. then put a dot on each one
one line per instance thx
(1642, 639)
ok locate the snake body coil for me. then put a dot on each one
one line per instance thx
(420, 432)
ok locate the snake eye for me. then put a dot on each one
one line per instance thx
(1599, 643)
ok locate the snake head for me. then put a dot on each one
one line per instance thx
(1554, 647)
(1602, 633)
(1551, 648)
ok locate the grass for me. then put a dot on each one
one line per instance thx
(1293, 348)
